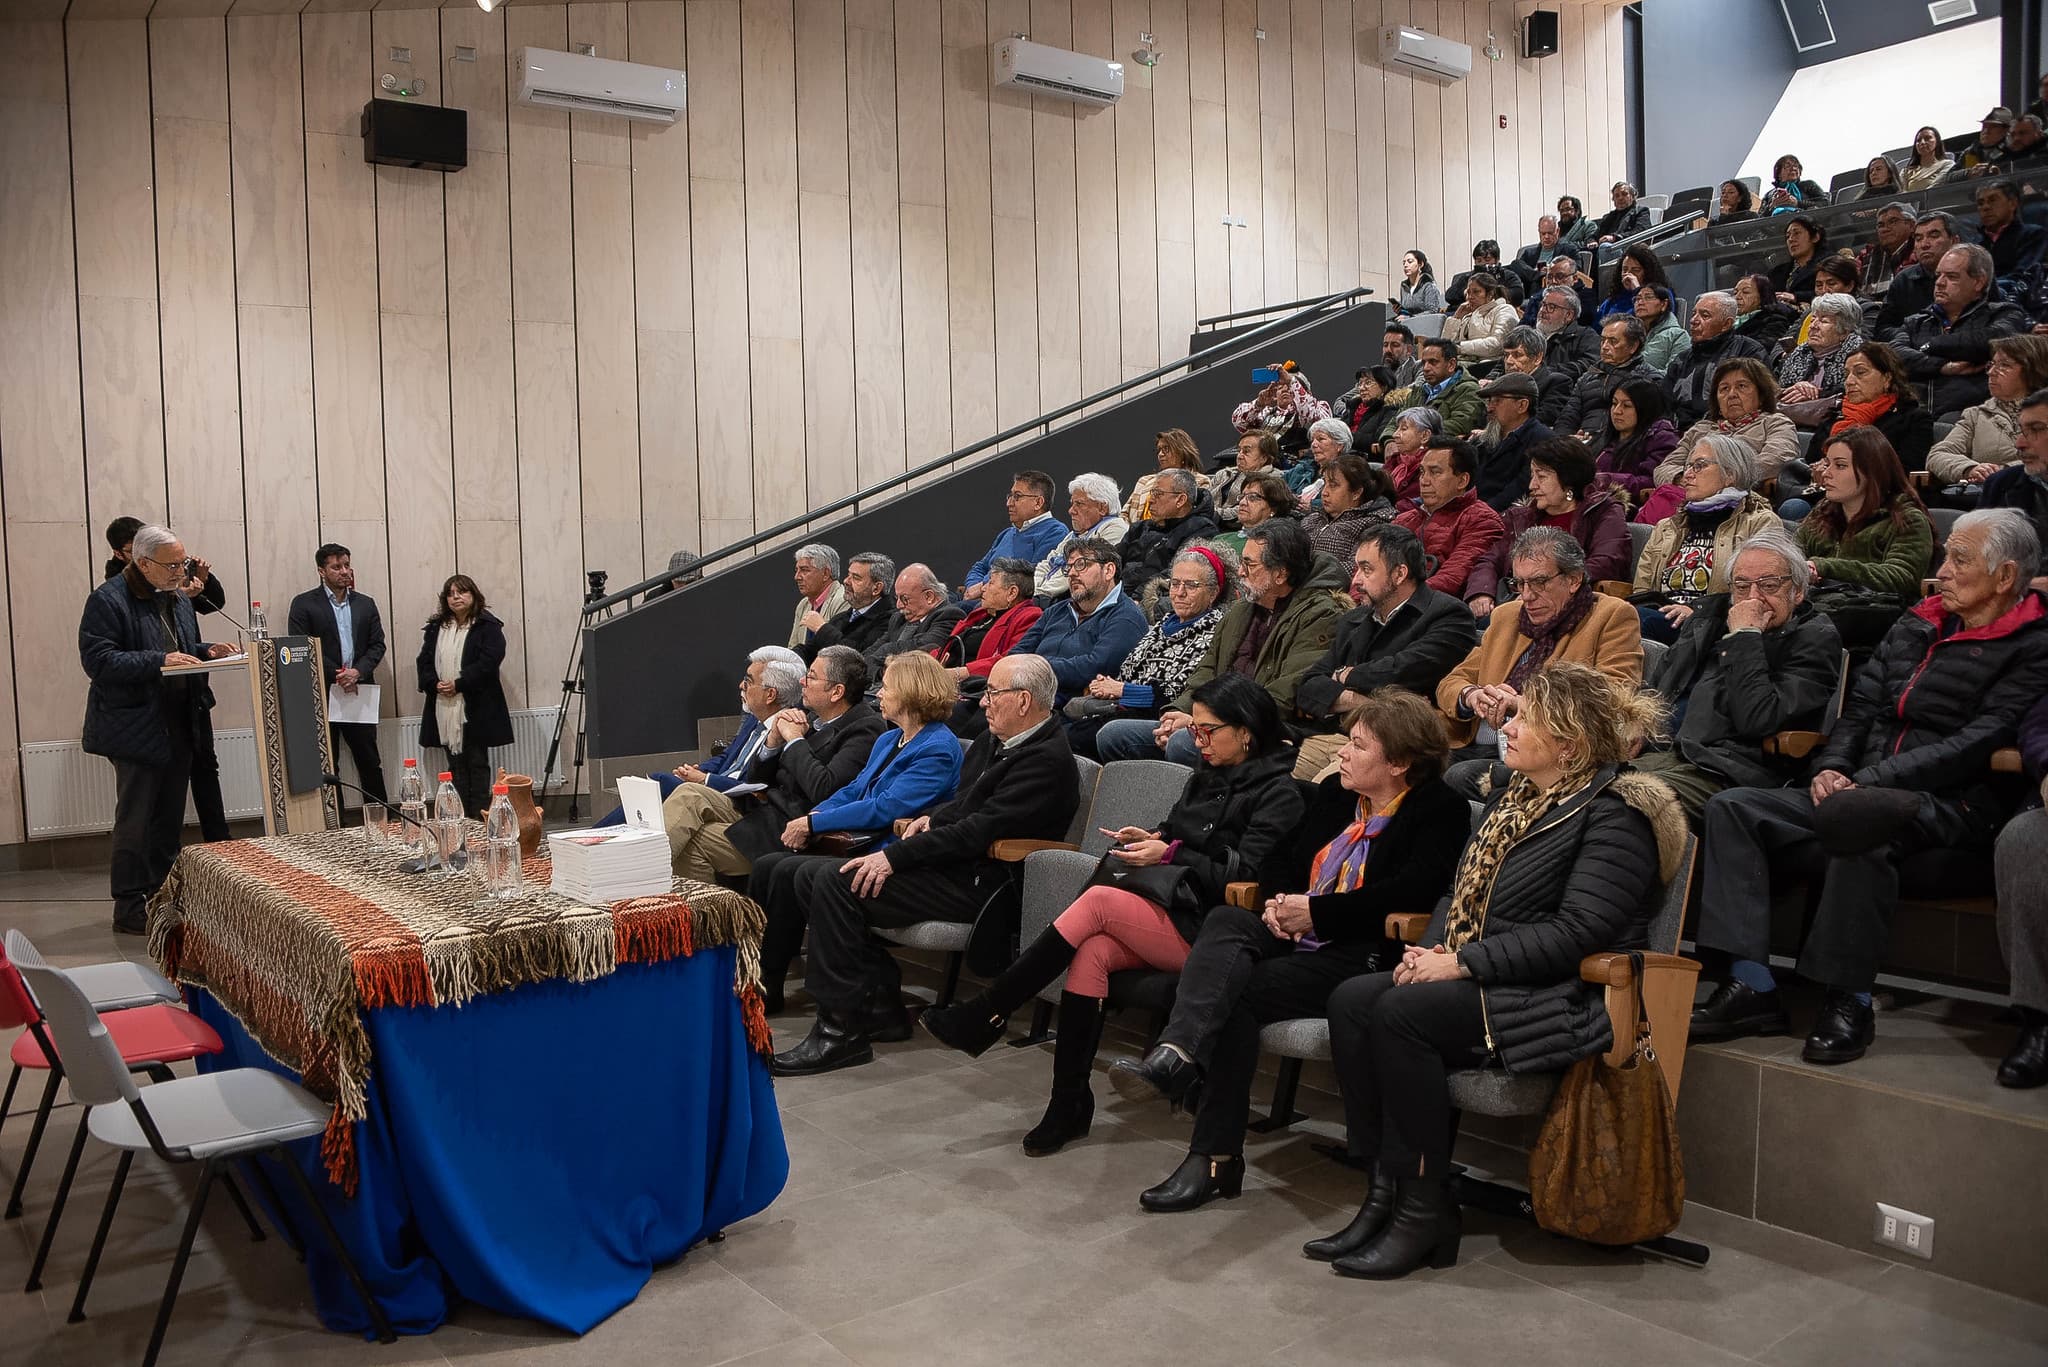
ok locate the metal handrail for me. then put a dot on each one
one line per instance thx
(1044, 421)
(1270, 308)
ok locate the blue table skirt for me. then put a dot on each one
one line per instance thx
(541, 1151)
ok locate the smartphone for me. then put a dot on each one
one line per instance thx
(1265, 374)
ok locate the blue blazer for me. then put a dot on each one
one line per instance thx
(724, 769)
(895, 782)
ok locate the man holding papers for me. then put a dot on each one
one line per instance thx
(136, 632)
(351, 636)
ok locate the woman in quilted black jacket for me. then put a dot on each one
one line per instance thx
(1564, 864)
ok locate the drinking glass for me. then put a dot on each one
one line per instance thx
(448, 841)
(376, 823)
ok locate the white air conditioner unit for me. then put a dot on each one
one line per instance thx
(1056, 73)
(1425, 55)
(598, 85)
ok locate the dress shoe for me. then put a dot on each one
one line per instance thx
(1365, 1226)
(2027, 1064)
(969, 1027)
(830, 1045)
(1067, 1117)
(884, 1020)
(1198, 1180)
(135, 924)
(1734, 1011)
(1843, 1031)
(1425, 1230)
(1162, 1075)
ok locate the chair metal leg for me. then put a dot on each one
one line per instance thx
(1041, 1025)
(252, 1167)
(952, 983)
(378, 1318)
(35, 1272)
(8, 1100)
(227, 1180)
(99, 1238)
(1281, 1113)
(35, 1139)
(163, 1310)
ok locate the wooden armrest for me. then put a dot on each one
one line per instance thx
(1612, 969)
(1012, 851)
(1923, 480)
(2006, 761)
(1408, 926)
(1929, 587)
(1615, 588)
(1245, 895)
(1794, 744)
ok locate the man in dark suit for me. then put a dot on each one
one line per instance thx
(351, 636)
(1017, 781)
(870, 580)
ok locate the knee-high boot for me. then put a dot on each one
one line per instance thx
(1072, 1105)
(975, 1024)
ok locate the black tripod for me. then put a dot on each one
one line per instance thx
(572, 692)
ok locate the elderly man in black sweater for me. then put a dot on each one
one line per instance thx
(1018, 782)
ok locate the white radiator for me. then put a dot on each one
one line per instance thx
(72, 793)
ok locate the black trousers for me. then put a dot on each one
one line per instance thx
(149, 815)
(772, 886)
(847, 965)
(361, 740)
(1747, 828)
(1394, 1049)
(207, 802)
(1238, 977)
(470, 772)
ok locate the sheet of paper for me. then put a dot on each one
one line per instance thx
(742, 789)
(641, 799)
(224, 662)
(359, 706)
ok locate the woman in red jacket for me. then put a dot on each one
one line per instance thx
(1562, 494)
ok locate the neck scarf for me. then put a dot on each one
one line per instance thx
(2004, 415)
(1714, 503)
(1507, 822)
(1543, 641)
(1864, 414)
(1340, 865)
(451, 713)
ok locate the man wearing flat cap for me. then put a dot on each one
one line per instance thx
(1511, 430)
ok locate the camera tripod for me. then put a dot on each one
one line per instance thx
(572, 694)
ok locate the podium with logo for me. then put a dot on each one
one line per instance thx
(293, 749)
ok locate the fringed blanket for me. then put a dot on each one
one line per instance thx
(299, 935)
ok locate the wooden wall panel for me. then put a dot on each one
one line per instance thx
(924, 175)
(1209, 130)
(1537, 198)
(1057, 239)
(1369, 98)
(1245, 147)
(1340, 144)
(774, 269)
(1405, 189)
(825, 222)
(1137, 213)
(1279, 179)
(1311, 180)
(1426, 102)
(1557, 140)
(1173, 180)
(970, 229)
(1578, 159)
(877, 346)
(1011, 202)
(1095, 198)
(1458, 233)
(1507, 179)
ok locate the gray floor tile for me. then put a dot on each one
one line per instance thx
(1916, 1319)
(1086, 1191)
(958, 1110)
(809, 1351)
(821, 1162)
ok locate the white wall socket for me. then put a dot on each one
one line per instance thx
(1905, 1231)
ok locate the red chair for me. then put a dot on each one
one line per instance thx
(149, 1038)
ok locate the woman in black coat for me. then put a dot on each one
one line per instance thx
(1146, 905)
(1564, 865)
(466, 715)
(1877, 392)
(1379, 836)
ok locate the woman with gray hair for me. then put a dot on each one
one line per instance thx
(1813, 369)
(1691, 552)
(1403, 449)
(1328, 438)
(1092, 511)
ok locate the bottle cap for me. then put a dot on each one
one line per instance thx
(445, 777)
(254, 604)
(499, 790)
(412, 764)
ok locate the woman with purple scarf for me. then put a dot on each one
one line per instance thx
(1381, 834)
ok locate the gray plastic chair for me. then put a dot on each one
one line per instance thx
(214, 1119)
(1638, 537)
(119, 984)
(1653, 656)
(951, 937)
(1425, 325)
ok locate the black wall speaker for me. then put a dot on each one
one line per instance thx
(398, 133)
(1539, 33)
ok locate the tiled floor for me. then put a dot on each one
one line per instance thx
(915, 1231)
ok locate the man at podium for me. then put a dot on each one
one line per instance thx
(136, 633)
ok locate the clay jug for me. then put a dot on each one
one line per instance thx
(519, 788)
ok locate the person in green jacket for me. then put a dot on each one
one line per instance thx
(1871, 533)
(1444, 387)
(1274, 635)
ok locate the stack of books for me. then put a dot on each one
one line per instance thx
(609, 864)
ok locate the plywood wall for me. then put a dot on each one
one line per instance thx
(602, 342)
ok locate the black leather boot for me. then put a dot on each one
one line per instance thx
(1365, 1226)
(1162, 1075)
(1072, 1107)
(1198, 1180)
(977, 1023)
(832, 1044)
(1424, 1231)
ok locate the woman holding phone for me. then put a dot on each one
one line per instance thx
(1147, 901)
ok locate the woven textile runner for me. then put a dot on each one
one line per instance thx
(298, 935)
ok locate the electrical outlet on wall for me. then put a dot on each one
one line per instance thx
(1905, 1231)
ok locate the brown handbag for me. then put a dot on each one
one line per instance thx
(1606, 1167)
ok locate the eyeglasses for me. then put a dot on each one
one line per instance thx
(1251, 498)
(1075, 562)
(1191, 585)
(1534, 583)
(2035, 429)
(1770, 586)
(994, 692)
(1552, 306)
(1203, 732)
(165, 564)
(1694, 467)
(1018, 496)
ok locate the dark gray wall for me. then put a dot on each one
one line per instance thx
(1712, 72)
(1866, 25)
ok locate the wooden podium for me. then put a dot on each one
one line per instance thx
(294, 751)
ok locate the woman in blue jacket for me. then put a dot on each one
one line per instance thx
(914, 766)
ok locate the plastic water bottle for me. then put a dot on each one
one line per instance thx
(501, 845)
(412, 812)
(448, 814)
(257, 630)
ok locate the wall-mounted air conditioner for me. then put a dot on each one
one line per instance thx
(1425, 55)
(598, 85)
(1055, 72)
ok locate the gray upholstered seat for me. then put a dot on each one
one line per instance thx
(1303, 1037)
(947, 936)
(1495, 1091)
(1653, 655)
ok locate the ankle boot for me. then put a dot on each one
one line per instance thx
(1198, 1180)
(1365, 1226)
(1425, 1229)
(977, 1023)
(1072, 1107)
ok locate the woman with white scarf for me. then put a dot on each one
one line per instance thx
(466, 714)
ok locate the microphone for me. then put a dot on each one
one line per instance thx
(419, 864)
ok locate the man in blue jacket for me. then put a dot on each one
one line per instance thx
(135, 626)
(1091, 630)
(1032, 533)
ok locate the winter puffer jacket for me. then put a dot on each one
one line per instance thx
(1585, 879)
(1232, 824)
(1743, 688)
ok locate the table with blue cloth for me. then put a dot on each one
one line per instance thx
(536, 1102)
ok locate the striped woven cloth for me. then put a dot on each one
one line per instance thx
(298, 935)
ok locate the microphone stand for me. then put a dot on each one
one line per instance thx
(419, 864)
